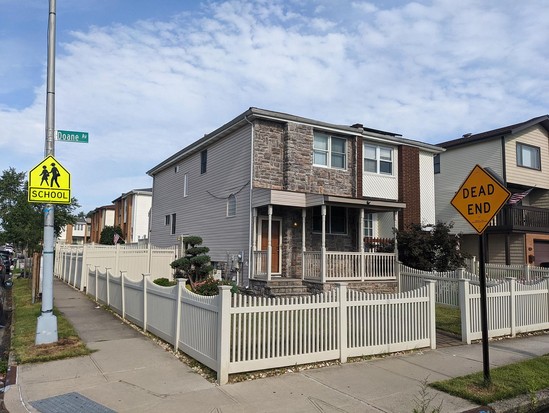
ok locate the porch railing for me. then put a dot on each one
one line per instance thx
(521, 218)
(349, 266)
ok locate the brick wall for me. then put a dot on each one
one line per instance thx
(408, 186)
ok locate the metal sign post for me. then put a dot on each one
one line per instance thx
(46, 326)
(479, 198)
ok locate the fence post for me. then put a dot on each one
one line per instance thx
(546, 279)
(223, 333)
(145, 279)
(526, 272)
(465, 310)
(397, 272)
(460, 273)
(108, 287)
(432, 313)
(512, 304)
(123, 294)
(342, 339)
(180, 285)
(117, 259)
(96, 279)
(70, 267)
(85, 272)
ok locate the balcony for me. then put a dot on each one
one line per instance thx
(520, 218)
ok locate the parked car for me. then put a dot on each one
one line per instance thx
(7, 260)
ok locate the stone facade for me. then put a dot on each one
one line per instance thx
(283, 160)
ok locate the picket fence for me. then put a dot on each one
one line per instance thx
(72, 261)
(513, 306)
(234, 333)
(501, 271)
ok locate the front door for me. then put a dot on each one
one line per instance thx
(275, 242)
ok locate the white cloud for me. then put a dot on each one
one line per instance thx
(428, 70)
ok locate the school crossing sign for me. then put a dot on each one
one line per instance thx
(49, 183)
(480, 198)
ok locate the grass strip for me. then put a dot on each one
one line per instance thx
(24, 319)
(448, 319)
(525, 377)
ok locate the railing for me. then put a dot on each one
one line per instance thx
(350, 266)
(517, 218)
(260, 264)
(501, 271)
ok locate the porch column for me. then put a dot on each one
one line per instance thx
(303, 247)
(253, 265)
(269, 242)
(395, 219)
(323, 246)
(361, 244)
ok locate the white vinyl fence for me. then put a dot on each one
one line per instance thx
(514, 306)
(233, 333)
(501, 271)
(72, 261)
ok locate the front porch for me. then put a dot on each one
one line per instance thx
(325, 243)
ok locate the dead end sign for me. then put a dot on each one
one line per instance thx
(480, 198)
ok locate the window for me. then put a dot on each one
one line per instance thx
(167, 220)
(329, 151)
(185, 186)
(436, 163)
(378, 159)
(336, 220)
(368, 225)
(528, 156)
(231, 205)
(173, 224)
(176, 169)
(203, 161)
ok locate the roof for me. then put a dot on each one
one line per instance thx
(256, 113)
(497, 133)
(143, 191)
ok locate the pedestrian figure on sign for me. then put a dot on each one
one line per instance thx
(45, 175)
(54, 175)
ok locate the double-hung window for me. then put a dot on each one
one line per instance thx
(368, 225)
(329, 151)
(378, 159)
(203, 161)
(528, 156)
(231, 205)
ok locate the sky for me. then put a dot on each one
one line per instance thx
(145, 79)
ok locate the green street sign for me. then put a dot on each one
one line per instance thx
(72, 136)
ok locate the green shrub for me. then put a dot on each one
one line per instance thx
(164, 282)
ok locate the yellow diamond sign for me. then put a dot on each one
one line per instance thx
(49, 183)
(480, 198)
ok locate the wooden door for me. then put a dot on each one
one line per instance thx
(275, 242)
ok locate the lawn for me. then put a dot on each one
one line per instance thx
(25, 315)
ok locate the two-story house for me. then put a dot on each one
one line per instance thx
(77, 233)
(518, 155)
(131, 214)
(101, 217)
(293, 197)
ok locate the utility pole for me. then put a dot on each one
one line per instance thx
(46, 327)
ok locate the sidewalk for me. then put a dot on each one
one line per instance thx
(130, 373)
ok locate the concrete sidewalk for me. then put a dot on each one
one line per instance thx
(130, 373)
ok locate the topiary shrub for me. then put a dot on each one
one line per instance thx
(195, 265)
(164, 282)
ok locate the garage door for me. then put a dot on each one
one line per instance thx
(541, 251)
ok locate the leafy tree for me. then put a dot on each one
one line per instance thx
(22, 223)
(196, 263)
(430, 248)
(107, 235)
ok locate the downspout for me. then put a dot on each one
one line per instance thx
(250, 221)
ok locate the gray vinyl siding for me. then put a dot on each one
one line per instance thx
(455, 166)
(204, 211)
(517, 249)
(496, 249)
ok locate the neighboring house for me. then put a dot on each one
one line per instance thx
(519, 156)
(79, 233)
(288, 194)
(131, 214)
(101, 217)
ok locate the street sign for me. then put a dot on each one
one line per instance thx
(49, 183)
(480, 198)
(72, 136)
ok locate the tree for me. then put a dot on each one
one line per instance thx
(107, 235)
(22, 223)
(430, 248)
(196, 263)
